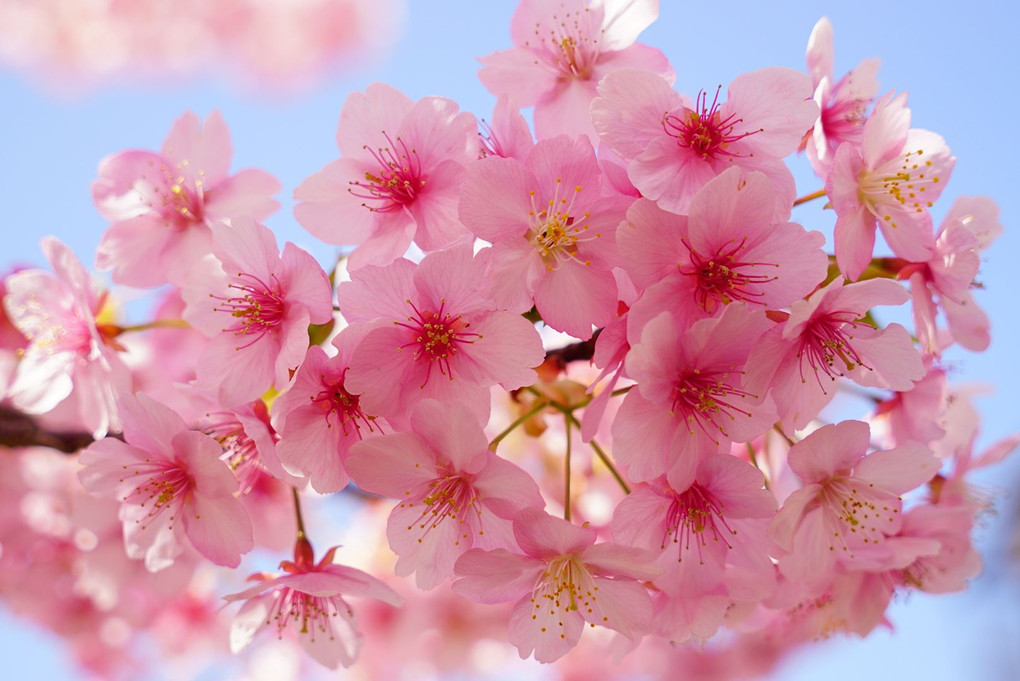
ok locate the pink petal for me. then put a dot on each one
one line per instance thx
(830, 450)
(397, 465)
(495, 576)
(899, 470)
(219, 528)
(541, 535)
(245, 193)
(550, 634)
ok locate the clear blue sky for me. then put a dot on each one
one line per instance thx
(959, 61)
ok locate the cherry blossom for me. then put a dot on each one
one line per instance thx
(890, 180)
(436, 335)
(69, 350)
(562, 580)
(319, 420)
(824, 338)
(453, 493)
(690, 401)
(727, 249)
(843, 103)
(162, 205)
(552, 232)
(673, 146)
(850, 503)
(308, 600)
(945, 280)
(256, 305)
(398, 180)
(562, 49)
(598, 377)
(171, 484)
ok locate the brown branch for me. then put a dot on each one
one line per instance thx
(21, 430)
(575, 352)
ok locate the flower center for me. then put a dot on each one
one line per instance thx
(449, 497)
(180, 199)
(703, 130)
(906, 186)
(723, 277)
(826, 345)
(857, 513)
(240, 452)
(695, 515)
(703, 398)
(553, 229)
(397, 181)
(437, 337)
(342, 407)
(570, 47)
(564, 586)
(313, 614)
(163, 488)
(257, 309)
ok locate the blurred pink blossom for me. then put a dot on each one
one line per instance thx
(275, 43)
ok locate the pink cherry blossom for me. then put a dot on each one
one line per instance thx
(68, 351)
(891, 180)
(690, 401)
(843, 103)
(256, 308)
(403, 163)
(437, 335)
(946, 279)
(453, 493)
(562, 49)
(707, 530)
(266, 44)
(319, 419)
(824, 338)
(673, 147)
(552, 232)
(562, 581)
(163, 204)
(508, 135)
(308, 600)
(171, 484)
(248, 441)
(956, 561)
(914, 415)
(728, 248)
(850, 503)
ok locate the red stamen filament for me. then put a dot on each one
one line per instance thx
(703, 130)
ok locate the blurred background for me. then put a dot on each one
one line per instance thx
(959, 61)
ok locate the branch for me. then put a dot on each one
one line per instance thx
(575, 352)
(21, 430)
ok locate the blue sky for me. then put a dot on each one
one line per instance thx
(959, 62)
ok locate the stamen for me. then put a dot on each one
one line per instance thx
(695, 514)
(437, 337)
(700, 398)
(703, 130)
(397, 182)
(720, 277)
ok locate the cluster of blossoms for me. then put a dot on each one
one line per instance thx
(265, 41)
(586, 374)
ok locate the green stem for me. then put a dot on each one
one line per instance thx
(568, 412)
(566, 493)
(539, 405)
(607, 462)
